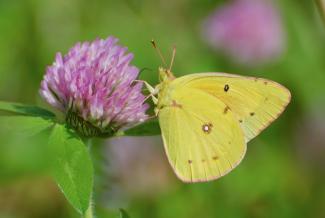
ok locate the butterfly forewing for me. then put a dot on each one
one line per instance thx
(254, 102)
(203, 140)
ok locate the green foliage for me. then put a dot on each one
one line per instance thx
(22, 146)
(72, 167)
(70, 160)
(123, 214)
(18, 108)
(148, 128)
(24, 126)
(277, 178)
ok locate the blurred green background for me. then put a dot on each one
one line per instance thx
(283, 172)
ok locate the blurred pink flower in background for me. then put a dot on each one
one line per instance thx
(137, 166)
(248, 31)
(310, 138)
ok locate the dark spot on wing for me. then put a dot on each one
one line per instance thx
(175, 104)
(207, 127)
(226, 88)
(190, 161)
(215, 157)
(226, 110)
(265, 82)
(252, 114)
(240, 121)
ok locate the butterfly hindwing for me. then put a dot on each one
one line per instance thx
(254, 102)
(202, 138)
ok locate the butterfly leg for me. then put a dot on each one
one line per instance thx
(154, 99)
(153, 91)
(156, 110)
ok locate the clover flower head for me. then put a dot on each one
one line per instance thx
(94, 85)
(248, 31)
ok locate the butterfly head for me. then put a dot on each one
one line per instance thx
(165, 75)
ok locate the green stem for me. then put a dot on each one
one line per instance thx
(89, 212)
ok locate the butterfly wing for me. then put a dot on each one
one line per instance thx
(255, 102)
(202, 138)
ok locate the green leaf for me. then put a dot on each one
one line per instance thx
(123, 214)
(148, 128)
(25, 109)
(73, 169)
(23, 145)
(23, 126)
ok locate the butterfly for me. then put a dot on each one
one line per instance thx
(206, 119)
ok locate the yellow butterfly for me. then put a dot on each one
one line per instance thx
(206, 119)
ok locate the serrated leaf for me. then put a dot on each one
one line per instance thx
(72, 169)
(23, 109)
(148, 128)
(123, 214)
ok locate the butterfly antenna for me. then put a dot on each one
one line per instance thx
(158, 51)
(173, 58)
(143, 69)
